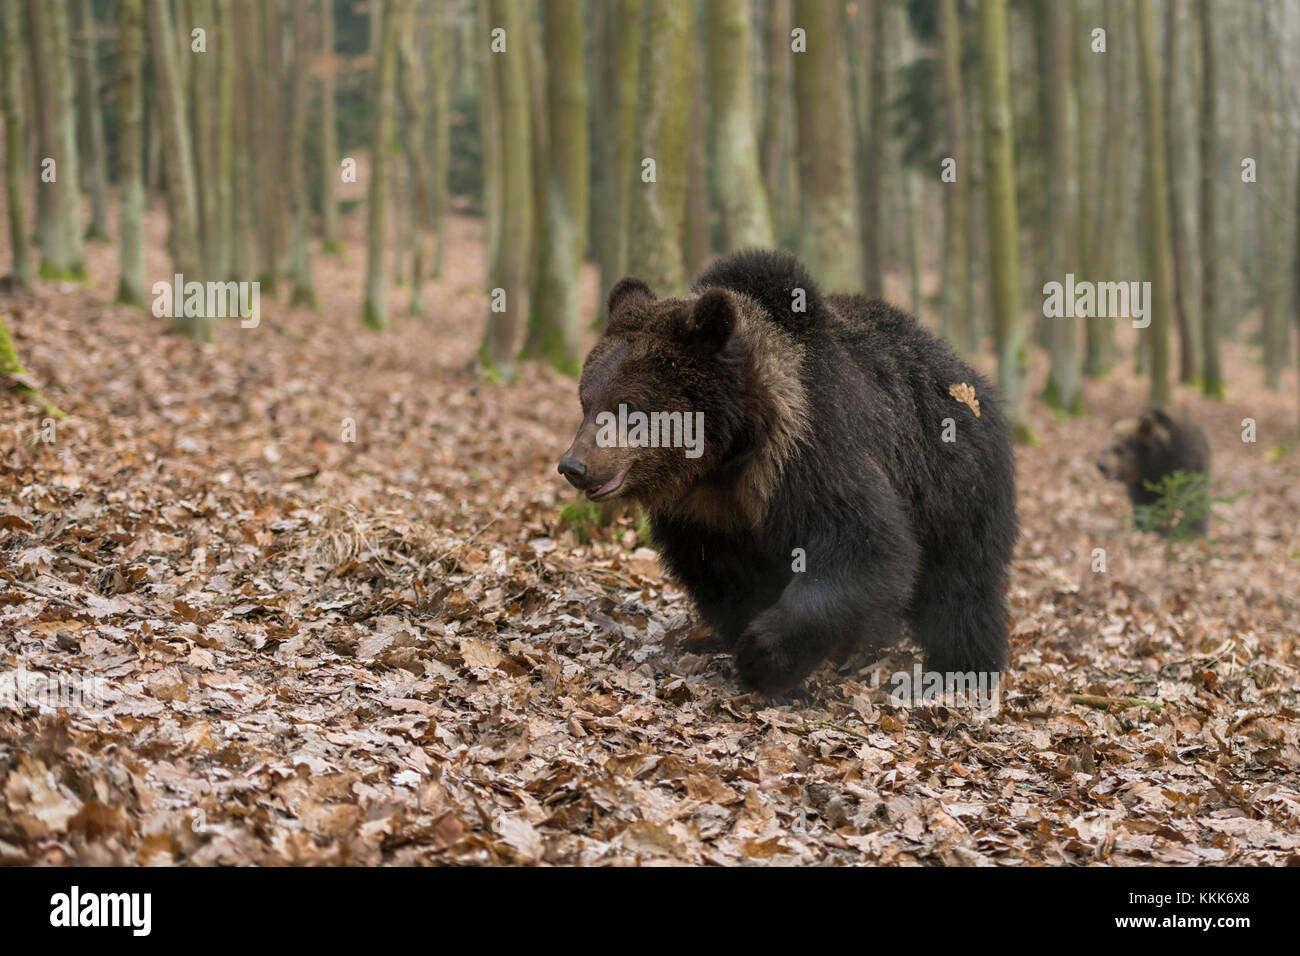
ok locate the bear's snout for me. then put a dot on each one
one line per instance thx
(574, 471)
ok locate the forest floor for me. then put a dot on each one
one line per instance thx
(287, 647)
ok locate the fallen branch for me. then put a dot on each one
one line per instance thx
(1105, 703)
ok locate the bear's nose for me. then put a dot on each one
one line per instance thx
(573, 470)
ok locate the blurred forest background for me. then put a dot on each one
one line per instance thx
(954, 154)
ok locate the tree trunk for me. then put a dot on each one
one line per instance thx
(222, 261)
(779, 172)
(1156, 233)
(1113, 177)
(93, 121)
(1174, 151)
(871, 150)
(130, 284)
(553, 319)
(415, 121)
(374, 312)
(1003, 229)
(440, 76)
(1064, 386)
(1212, 376)
(1273, 327)
(15, 144)
(746, 218)
(508, 274)
(247, 251)
(696, 245)
(657, 205)
(955, 321)
(300, 205)
(830, 240)
(182, 201)
(616, 143)
(329, 137)
(61, 250)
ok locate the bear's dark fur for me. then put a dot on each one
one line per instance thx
(823, 432)
(1148, 448)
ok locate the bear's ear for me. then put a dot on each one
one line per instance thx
(711, 322)
(626, 291)
(1155, 421)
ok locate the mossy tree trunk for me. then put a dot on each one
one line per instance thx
(374, 312)
(1064, 383)
(270, 76)
(1156, 234)
(780, 174)
(1099, 357)
(508, 272)
(414, 89)
(329, 135)
(130, 95)
(246, 236)
(1175, 149)
(616, 93)
(956, 195)
(872, 140)
(656, 208)
(440, 77)
(182, 200)
(11, 368)
(61, 246)
(95, 152)
(697, 245)
(222, 263)
(830, 239)
(15, 143)
(1275, 336)
(746, 217)
(1003, 227)
(304, 292)
(553, 318)
(199, 73)
(1212, 369)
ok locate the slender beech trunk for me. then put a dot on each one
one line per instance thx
(61, 245)
(15, 144)
(553, 319)
(375, 310)
(657, 203)
(88, 92)
(955, 319)
(1003, 228)
(508, 274)
(130, 91)
(1212, 374)
(830, 241)
(329, 135)
(304, 292)
(746, 218)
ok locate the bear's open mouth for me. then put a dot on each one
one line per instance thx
(611, 486)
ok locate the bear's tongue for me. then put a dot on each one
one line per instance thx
(610, 485)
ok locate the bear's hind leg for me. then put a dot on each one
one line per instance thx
(959, 617)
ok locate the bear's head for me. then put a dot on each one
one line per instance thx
(662, 395)
(1133, 441)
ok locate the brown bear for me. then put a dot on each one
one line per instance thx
(1151, 446)
(809, 476)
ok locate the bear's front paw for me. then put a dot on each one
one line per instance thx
(763, 656)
